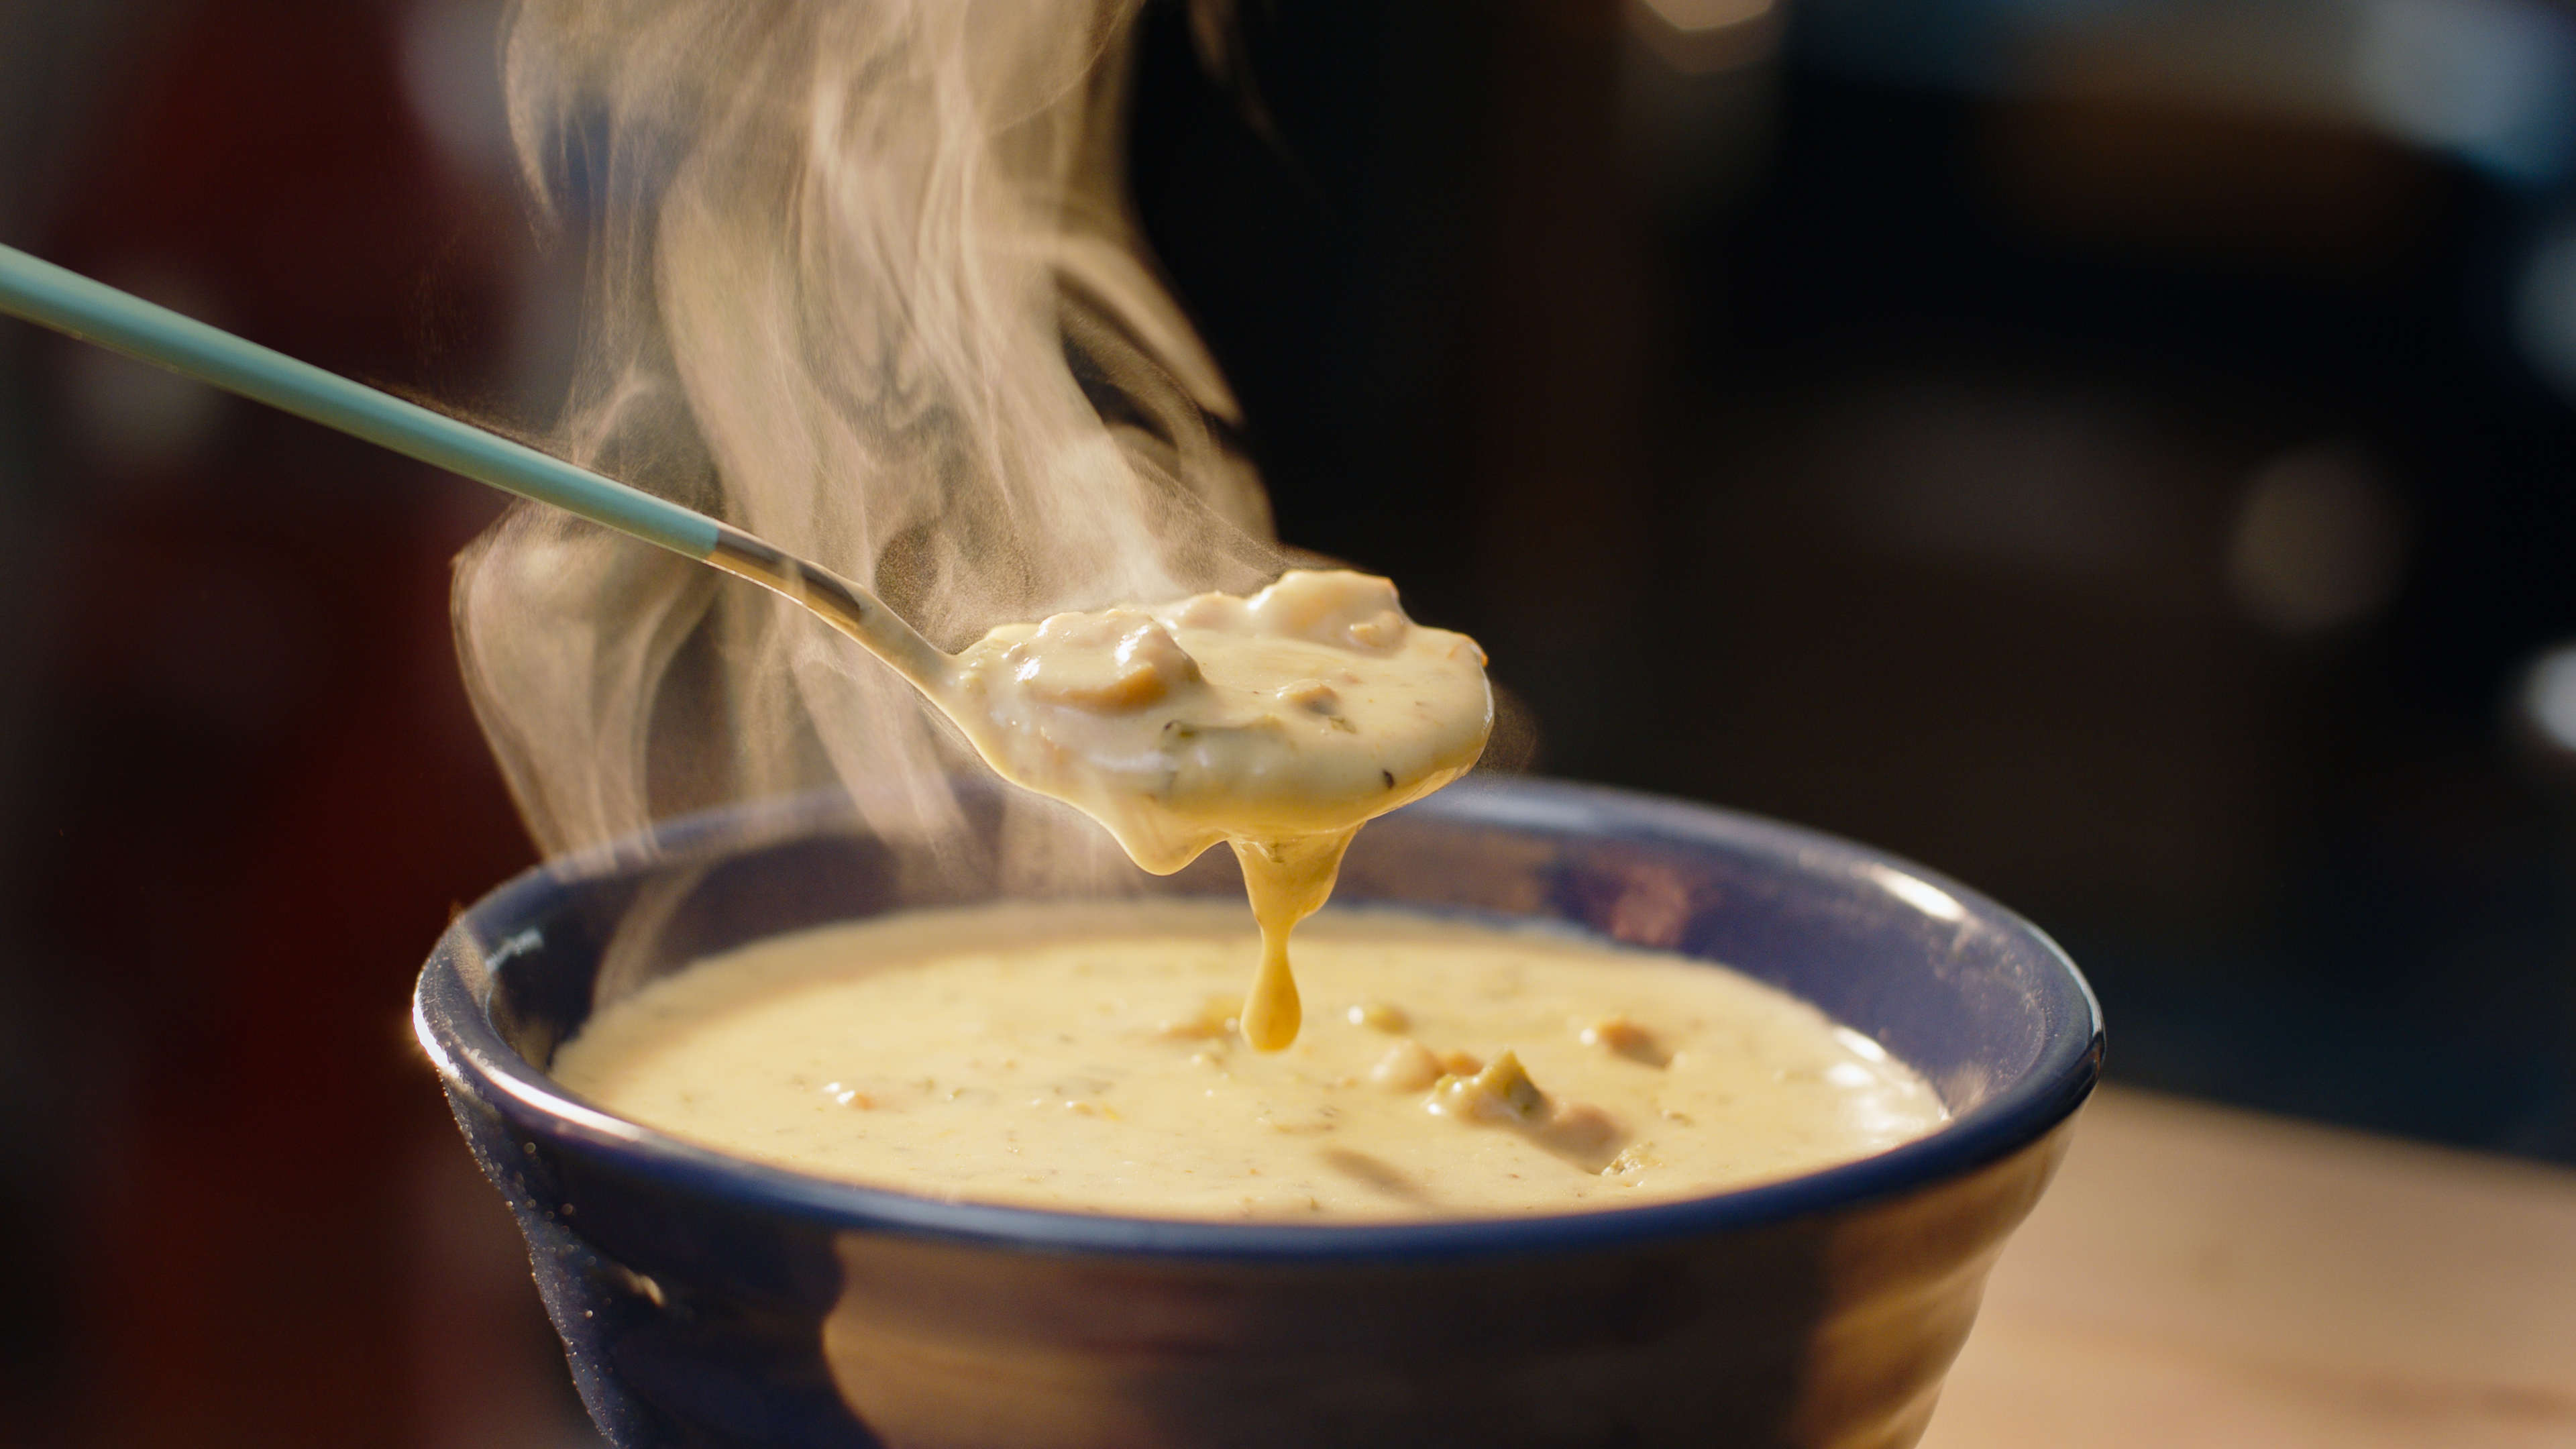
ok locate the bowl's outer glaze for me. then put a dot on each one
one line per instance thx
(705, 1301)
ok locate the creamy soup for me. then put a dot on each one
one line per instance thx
(1090, 1058)
(1280, 723)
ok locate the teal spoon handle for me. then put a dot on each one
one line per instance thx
(72, 304)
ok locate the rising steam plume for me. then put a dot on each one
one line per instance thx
(863, 280)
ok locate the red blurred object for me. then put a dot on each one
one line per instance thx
(262, 789)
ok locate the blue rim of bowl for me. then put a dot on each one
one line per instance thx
(454, 1027)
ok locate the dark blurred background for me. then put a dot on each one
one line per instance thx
(2120, 454)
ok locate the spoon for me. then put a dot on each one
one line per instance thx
(1279, 723)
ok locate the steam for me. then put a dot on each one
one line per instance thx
(864, 281)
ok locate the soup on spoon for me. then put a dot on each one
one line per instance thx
(1279, 723)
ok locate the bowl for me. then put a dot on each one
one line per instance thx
(706, 1300)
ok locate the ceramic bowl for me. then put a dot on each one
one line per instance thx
(705, 1300)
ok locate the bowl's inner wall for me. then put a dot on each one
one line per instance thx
(1968, 1001)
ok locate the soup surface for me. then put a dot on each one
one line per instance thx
(1089, 1057)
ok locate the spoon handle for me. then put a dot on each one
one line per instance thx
(70, 303)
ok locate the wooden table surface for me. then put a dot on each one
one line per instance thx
(2215, 1279)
